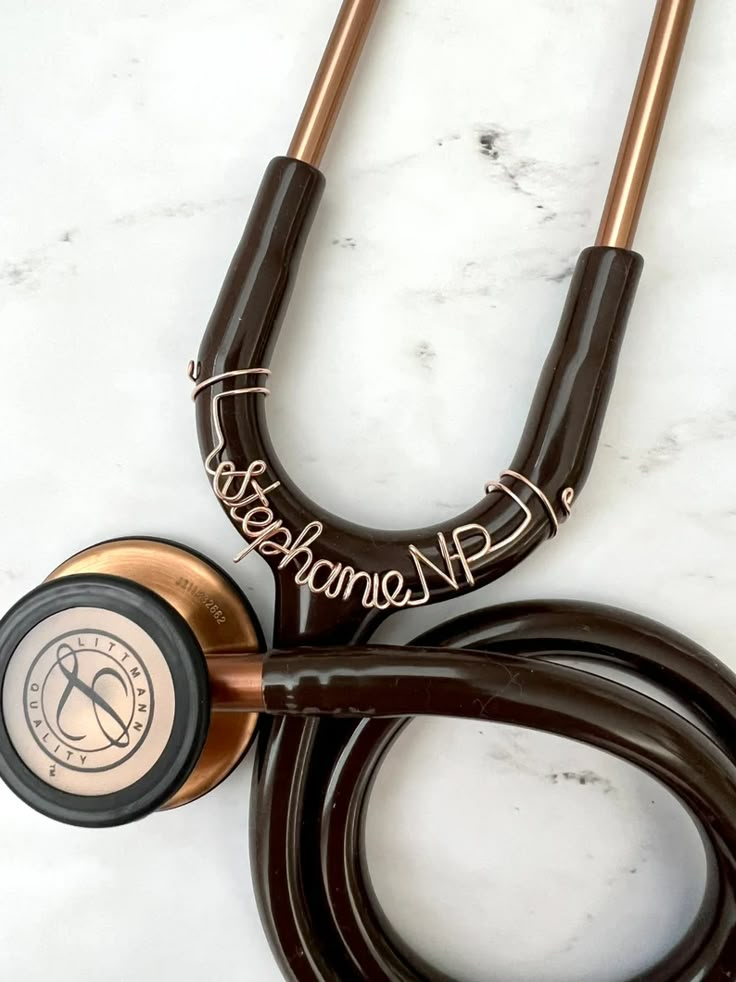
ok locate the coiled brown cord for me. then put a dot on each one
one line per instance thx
(312, 782)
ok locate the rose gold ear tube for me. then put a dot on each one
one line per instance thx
(638, 146)
(645, 122)
(332, 80)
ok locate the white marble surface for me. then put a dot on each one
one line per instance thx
(134, 135)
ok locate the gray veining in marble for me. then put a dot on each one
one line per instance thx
(467, 172)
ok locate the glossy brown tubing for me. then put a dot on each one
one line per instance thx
(560, 438)
(332, 80)
(511, 676)
(644, 124)
(258, 283)
(555, 453)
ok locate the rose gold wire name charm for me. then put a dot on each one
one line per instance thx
(239, 489)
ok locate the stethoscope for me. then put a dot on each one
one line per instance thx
(133, 677)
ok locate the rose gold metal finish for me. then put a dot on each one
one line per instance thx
(331, 82)
(215, 612)
(236, 683)
(644, 123)
(546, 504)
(71, 647)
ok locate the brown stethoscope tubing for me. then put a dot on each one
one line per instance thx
(558, 443)
(305, 836)
(510, 676)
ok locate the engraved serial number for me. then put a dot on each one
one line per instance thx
(202, 597)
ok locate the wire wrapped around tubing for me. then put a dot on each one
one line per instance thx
(506, 673)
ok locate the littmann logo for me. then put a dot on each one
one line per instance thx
(88, 701)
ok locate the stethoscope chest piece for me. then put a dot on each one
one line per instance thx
(105, 685)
